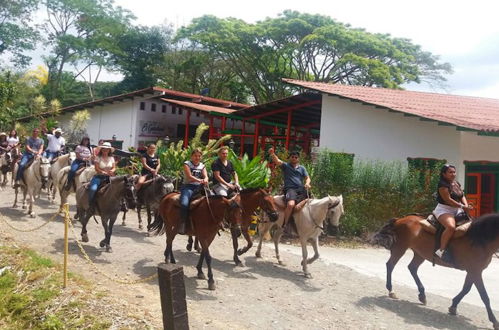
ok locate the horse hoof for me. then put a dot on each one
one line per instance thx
(280, 262)
(140, 226)
(124, 224)
(24, 207)
(189, 247)
(452, 310)
(239, 264)
(308, 275)
(240, 252)
(392, 295)
(109, 248)
(102, 243)
(201, 276)
(84, 238)
(258, 255)
(496, 325)
(32, 215)
(422, 299)
(211, 286)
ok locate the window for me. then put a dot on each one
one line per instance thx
(174, 110)
(153, 107)
(142, 106)
(163, 108)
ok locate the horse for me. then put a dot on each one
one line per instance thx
(108, 205)
(150, 195)
(35, 177)
(56, 165)
(207, 215)
(5, 167)
(309, 217)
(251, 200)
(472, 253)
(81, 177)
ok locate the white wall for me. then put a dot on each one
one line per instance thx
(377, 134)
(475, 147)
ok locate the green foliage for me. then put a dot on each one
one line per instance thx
(373, 191)
(251, 173)
(311, 47)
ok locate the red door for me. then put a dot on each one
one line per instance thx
(481, 191)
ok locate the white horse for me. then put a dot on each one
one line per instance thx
(81, 177)
(309, 221)
(36, 177)
(59, 163)
(5, 167)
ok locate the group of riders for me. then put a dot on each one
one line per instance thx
(450, 197)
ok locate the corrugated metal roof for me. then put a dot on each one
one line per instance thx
(476, 113)
(198, 106)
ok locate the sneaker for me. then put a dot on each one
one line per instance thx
(439, 253)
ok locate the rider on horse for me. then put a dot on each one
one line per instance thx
(150, 165)
(56, 144)
(105, 167)
(225, 179)
(451, 202)
(4, 145)
(34, 148)
(296, 181)
(195, 176)
(83, 155)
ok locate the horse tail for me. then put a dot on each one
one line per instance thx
(157, 228)
(386, 236)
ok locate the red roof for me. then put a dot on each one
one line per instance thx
(476, 113)
(198, 106)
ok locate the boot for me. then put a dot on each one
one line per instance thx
(91, 207)
(182, 228)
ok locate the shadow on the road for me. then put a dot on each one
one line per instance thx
(417, 314)
(92, 251)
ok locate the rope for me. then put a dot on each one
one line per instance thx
(28, 230)
(87, 258)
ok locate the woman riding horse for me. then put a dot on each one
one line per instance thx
(13, 145)
(195, 176)
(150, 165)
(83, 155)
(105, 167)
(451, 202)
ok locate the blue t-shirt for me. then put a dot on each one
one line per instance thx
(293, 176)
(34, 144)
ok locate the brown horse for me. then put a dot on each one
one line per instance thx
(207, 215)
(472, 253)
(251, 200)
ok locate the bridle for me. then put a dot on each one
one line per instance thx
(130, 195)
(329, 207)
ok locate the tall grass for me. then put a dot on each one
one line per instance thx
(373, 191)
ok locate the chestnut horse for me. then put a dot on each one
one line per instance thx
(472, 253)
(251, 200)
(207, 215)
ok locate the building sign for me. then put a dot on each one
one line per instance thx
(152, 128)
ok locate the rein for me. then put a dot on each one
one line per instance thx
(310, 212)
(208, 202)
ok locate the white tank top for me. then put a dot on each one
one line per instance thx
(105, 164)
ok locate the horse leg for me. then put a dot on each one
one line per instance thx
(189, 244)
(16, 192)
(139, 208)
(395, 254)
(485, 298)
(24, 198)
(262, 230)
(31, 201)
(199, 267)
(234, 233)
(468, 283)
(277, 237)
(84, 217)
(249, 241)
(169, 258)
(315, 246)
(109, 232)
(211, 281)
(413, 266)
(304, 254)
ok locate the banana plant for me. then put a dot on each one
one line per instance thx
(251, 173)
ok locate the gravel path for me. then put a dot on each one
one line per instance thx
(261, 295)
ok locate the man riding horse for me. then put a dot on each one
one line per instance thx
(56, 144)
(34, 148)
(225, 180)
(296, 181)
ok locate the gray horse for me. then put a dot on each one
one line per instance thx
(35, 177)
(108, 205)
(150, 195)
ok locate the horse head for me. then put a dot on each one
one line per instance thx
(267, 204)
(335, 210)
(44, 170)
(162, 185)
(71, 157)
(130, 192)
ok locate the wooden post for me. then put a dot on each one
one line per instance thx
(66, 249)
(210, 132)
(243, 131)
(255, 139)
(288, 130)
(187, 124)
(172, 294)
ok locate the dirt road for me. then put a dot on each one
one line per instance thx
(346, 291)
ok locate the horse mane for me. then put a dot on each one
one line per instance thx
(249, 190)
(484, 230)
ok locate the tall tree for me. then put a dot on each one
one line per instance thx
(311, 47)
(16, 36)
(81, 34)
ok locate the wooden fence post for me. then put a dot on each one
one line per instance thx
(172, 294)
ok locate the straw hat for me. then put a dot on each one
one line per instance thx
(58, 129)
(3, 133)
(105, 145)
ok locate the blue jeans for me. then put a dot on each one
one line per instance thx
(27, 156)
(75, 165)
(50, 155)
(94, 185)
(186, 192)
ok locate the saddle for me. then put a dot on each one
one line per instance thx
(432, 226)
(196, 199)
